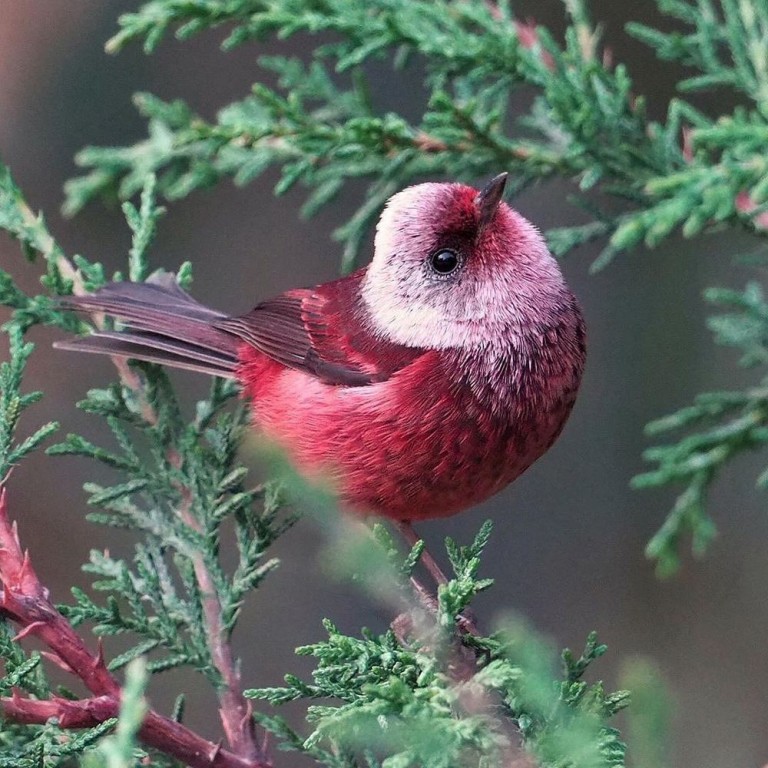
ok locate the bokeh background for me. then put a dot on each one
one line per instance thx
(568, 546)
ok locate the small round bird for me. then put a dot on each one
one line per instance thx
(421, 384)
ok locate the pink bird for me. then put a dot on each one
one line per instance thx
(421, 384)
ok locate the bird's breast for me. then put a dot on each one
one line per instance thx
(442, 434)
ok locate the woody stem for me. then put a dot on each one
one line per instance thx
(25, 601)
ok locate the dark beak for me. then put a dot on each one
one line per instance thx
(488, 199)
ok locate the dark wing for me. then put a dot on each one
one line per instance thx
(322, 331)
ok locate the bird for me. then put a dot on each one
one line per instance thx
(418, 385)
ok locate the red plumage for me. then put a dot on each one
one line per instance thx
(421, 384)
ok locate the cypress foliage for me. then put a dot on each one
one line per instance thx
(433, 691)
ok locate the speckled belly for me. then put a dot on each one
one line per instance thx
(412, 447)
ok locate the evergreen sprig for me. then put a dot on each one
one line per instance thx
(178, 485)
(724, 41)
(48, 744)
(168, 465)
(585, 123)
(61, 274)
(639, 181)
(718, 425)
(420, 704)
(13, 403)
(20, 670)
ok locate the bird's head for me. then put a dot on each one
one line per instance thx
(457, 267)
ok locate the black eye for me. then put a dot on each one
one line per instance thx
(444, 261)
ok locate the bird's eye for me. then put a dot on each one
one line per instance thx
(444, 261)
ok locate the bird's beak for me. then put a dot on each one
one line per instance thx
(488, 199)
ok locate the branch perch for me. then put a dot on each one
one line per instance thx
(26, 602)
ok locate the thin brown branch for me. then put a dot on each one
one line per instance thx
(82, 713)
(235, 710)
(460, 661)
(466, 624)
(412, 538)
(25, 601)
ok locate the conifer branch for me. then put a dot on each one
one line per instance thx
(80, 713)
(235, 711)
(25, 601)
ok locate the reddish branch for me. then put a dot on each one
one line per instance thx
(25, 601)
(235, 711)
(83, 713)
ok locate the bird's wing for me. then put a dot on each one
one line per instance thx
(322, 331)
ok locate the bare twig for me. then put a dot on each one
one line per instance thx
(466, 624)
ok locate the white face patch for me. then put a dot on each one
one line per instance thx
(487, 305)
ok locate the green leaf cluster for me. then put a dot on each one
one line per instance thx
(13, 403)
(428, 694)
(321, 125)
(438, 699)
(405, 707)
(180, 485)
(717, 427)
(585, 122)
(637, 180)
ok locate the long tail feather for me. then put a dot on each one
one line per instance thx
(163, 324)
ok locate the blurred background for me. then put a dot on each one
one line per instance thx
(567, 551)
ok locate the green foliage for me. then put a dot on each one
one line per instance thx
(36, 746)
(30, 230)
(47, 746)
(44, 745)
(725, 42)
(143, 224)
(585, 123)
(437, 699)
(455, 596)
(428, 694)
(718, 426)
(21, 670)
(179, 485)
(13, 403)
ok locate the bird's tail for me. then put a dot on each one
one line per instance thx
(161, 324)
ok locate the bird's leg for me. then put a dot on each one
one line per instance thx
(466, 621)
(411, 537)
